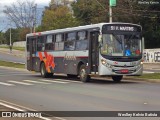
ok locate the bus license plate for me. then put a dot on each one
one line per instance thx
(124, 71)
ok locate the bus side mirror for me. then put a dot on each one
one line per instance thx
(100, 40)
(143, 44)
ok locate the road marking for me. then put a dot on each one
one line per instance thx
(18, 109)
(32, 81)
(44, 80)
(7, 84)
(61, 80)
(68, 80)
(17, 82)
(12, 106)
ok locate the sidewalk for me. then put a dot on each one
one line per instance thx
(17, 53)
(152, 66)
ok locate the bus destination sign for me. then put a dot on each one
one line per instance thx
(122, 28)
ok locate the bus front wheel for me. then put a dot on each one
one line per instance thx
(84, 77)
(44, 73)
(117, 78)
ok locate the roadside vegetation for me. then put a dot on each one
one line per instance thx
(150, 76)
(15, 48)
(11, 64)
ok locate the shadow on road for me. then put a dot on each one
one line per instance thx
(94, 80)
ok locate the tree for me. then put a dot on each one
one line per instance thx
(57, 17)
(2, 38)
(90, 12)
(129, 11)
(14, 36)
(21, 13)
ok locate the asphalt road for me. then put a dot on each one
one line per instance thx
(62, 94)
(11, 58)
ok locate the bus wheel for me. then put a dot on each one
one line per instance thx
(83, 74)
(117, 78)
(43, 71)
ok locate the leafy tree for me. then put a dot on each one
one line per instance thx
(14, 36)
(90, 12)
(2, 38)
(57, 18)
(96, 11)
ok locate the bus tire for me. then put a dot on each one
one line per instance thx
(117, 78)
(84, 77)
(44, 73)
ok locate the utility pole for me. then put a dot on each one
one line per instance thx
(10, 40)
(111, 4)
(110, 14)
(34, 14)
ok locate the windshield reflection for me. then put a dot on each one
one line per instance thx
(121, 45)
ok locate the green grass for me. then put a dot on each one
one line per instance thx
(150, 76)
(15, 48)
(10, 64)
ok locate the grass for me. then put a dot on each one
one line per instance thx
(15, 48)
(11, 64)
(150, 76)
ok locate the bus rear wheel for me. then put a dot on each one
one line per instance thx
(84, 77)
(117, 78)
(44, 73)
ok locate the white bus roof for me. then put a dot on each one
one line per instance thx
(75, 28)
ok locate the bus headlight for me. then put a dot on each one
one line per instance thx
(103, 62)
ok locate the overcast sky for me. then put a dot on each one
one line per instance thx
(3, 21)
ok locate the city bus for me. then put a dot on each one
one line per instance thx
(104, 49)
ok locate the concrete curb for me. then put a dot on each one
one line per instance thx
(142, 79)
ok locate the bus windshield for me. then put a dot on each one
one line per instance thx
(121, 45)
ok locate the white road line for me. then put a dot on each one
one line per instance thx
(68, 80)
(12, 106)
(7, 84)
(32, 81)
(17, 82)
(62, 80)
(18, 109)
(44, 80)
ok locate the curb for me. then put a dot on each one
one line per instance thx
(142, 79)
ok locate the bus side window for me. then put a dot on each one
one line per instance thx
(70, 41)
(49, 45)
(59, 42)
(82, 41)
(41, 43)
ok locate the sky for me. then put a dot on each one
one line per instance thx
(4, 23)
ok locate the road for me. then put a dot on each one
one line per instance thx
(62, 94)
(11, 58)
(19, 57)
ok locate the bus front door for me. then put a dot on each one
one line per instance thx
(30, 44)
(93, 52)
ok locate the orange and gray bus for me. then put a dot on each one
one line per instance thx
(104, 49)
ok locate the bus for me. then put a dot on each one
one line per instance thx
(104, 49)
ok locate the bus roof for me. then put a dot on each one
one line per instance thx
(76, 28)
